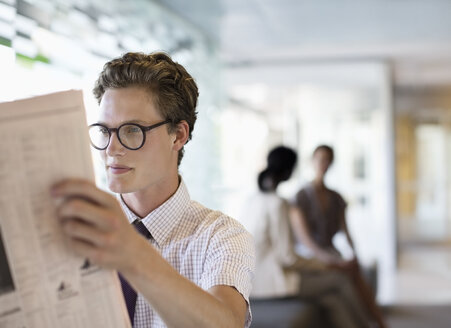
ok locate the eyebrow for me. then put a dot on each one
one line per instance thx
(126, 122)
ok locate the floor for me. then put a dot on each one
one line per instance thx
(425, 316)
(424, 275)
(423, 288)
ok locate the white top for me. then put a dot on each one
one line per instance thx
(205, 246)
(265, 216)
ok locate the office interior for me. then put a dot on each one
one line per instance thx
(370, 78)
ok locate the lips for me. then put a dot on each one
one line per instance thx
(118, 169)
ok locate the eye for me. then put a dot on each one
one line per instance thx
(103, 130)
(132, 129)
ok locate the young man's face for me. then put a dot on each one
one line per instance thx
(148, 167)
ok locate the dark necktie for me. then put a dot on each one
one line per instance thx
(130, 295)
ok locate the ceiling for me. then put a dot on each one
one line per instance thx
(414, 36)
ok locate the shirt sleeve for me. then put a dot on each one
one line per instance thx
(230, 260)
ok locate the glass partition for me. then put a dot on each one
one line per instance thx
(48, 46)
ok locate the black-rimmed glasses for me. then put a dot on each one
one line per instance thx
(131, 135)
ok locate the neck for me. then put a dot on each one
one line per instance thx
(318, 182)
(144, 201)
(270, 184)
(272, 189)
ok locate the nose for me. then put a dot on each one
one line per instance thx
(115, 148)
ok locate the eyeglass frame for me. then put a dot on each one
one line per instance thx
(143, 128)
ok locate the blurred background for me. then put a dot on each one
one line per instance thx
(370, 78)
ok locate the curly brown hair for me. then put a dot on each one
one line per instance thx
(173, 89)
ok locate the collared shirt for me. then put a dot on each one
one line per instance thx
(205, 246)
(265, 216)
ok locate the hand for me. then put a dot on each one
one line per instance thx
(95, 226)
(350, 267)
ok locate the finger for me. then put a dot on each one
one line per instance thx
(91, 213)
(85, 250)
(83, 189)
(79, 230)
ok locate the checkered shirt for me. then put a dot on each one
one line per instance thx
(205, 246)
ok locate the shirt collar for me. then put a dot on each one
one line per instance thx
(165, 218)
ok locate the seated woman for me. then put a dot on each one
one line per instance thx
(318, 216)
(279, 272)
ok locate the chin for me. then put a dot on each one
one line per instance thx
(114, 188)
(118, 187)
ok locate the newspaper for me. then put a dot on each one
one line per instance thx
(42, 284)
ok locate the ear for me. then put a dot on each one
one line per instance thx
(181, 135)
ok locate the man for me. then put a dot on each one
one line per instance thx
(195, 266)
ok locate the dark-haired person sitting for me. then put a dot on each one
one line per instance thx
(283, 281)
(318, 216)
